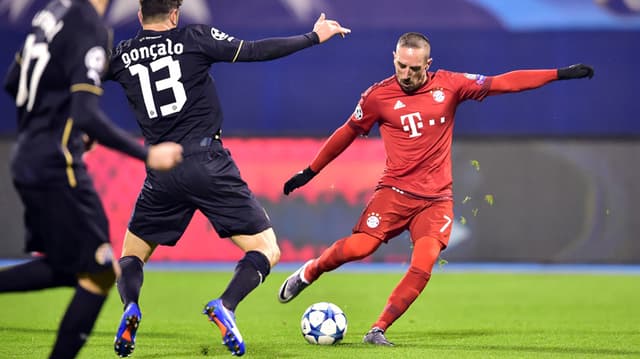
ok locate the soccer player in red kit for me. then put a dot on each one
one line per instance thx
(415, 112)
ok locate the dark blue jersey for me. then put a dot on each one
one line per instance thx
(56, 81)
(165, 75)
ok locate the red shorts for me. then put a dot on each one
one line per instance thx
(390, 212)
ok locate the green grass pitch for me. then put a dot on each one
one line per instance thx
(459, 315)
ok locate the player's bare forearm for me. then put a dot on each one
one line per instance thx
(521, 80)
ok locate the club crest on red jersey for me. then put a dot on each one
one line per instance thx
(438, 96)
(373, 220)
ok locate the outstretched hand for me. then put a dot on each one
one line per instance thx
(298, 180)
(327, 28)
(576, 71)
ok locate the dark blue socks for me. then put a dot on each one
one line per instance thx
(130, 281)
(251, 270)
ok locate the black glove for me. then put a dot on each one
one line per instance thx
(298, 180)
(576, 71)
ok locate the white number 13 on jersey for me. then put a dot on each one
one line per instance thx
(172, 82)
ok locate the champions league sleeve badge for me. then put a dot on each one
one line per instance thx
(479, 79)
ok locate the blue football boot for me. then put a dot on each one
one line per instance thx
(226, 322)
(125, 340)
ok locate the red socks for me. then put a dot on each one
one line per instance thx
(425, 254)
(402, 296)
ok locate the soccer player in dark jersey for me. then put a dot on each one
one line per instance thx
(56, 82)
(164, 71)
(415, 113)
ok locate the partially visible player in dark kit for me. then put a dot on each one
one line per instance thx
(56, 82)
(164, 71)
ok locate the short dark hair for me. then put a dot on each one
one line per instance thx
(414, 40)
(158, 9)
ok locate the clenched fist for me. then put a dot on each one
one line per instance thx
(164, 156)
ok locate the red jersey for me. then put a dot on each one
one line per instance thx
(417, 128)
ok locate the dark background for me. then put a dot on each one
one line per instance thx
(312, 92)
(560, 160)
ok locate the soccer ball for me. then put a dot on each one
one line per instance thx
(323, 323)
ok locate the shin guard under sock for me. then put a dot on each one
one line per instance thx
(130, 281)
(250, 271)
(425, 254)
(402, 296)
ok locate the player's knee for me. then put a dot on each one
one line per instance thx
(264, 242)
(270, 250)
(274, 256)
(259, 261)
(358, 246)
(136, 246)
(426, 251)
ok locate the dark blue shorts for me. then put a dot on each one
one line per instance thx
(207, 180)
(68, 225)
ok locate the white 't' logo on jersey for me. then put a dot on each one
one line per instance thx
(412, 123)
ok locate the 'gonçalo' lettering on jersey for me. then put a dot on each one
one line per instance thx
(165, 74)
(153, 51)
